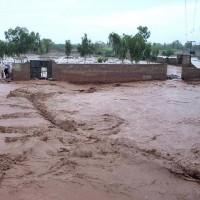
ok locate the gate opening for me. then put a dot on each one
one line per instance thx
(44, 72)
(174, 72)
(41, 69)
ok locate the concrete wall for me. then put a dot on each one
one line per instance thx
(181, 59)
(184, 59)
(21, 72)
(170, 60)
(190, 73)
(108, 73)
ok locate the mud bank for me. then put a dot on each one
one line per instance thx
(122, 141)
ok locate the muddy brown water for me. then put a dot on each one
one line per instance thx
(122, 141)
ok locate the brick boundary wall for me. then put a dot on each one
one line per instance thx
(21, 72)
(108, 73)
(190, 73)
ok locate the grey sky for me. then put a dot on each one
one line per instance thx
(61, 20)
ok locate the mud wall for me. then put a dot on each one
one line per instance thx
(21, 72)
(190, 73)
(108, 73)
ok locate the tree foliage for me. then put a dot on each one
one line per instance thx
(155, 51)
(22, 40)
(47, 44)
(68, 48)
(34, 42)
(143, 30)
(99, 48)
(188, 45)
(168, 52)
(2, 49)
(86, 47)
(10, 49)
(176, 45)
(41, 48)
(147, 51)
(136, 46)
(119, 45)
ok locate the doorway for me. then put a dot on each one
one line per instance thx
(41, 69)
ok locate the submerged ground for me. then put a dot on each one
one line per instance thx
(128, 141)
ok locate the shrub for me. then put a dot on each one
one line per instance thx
(102, 59)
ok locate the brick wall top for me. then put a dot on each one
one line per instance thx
(111, 67)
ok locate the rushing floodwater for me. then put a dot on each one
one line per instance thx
(195, 62)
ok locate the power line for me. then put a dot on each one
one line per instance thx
(195, 10)
(186, 20)
(196, 28)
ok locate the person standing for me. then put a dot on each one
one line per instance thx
(6, 72)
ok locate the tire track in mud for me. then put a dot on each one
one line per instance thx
(37, 100)
(12, 134)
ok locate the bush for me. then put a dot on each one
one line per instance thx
(102, 59)
(109, 53)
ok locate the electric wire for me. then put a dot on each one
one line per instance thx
(186, 21)
(196, 28)
(195, 10)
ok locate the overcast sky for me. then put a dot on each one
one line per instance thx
(62, 20)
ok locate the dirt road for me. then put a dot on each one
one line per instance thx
(130, 141)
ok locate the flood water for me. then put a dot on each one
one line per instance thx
(115, 141)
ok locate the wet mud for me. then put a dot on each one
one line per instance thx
(122, 141)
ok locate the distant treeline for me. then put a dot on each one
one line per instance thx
(20, 41)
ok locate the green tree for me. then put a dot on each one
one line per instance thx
(147, 51)
(109, 52)
(155, 51)
(18, 37)
(176, 45)
(168, 52)
(48, 44)
(143, 30)
(119, 45)
(115, 41)
(58, 46)
(99, 48)
(136, 46)
(68, 48)
(41, 48)
(188, 45)
(86, 47)
(22, 40)
(34, 41)
(2, 49)
(10, 49)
